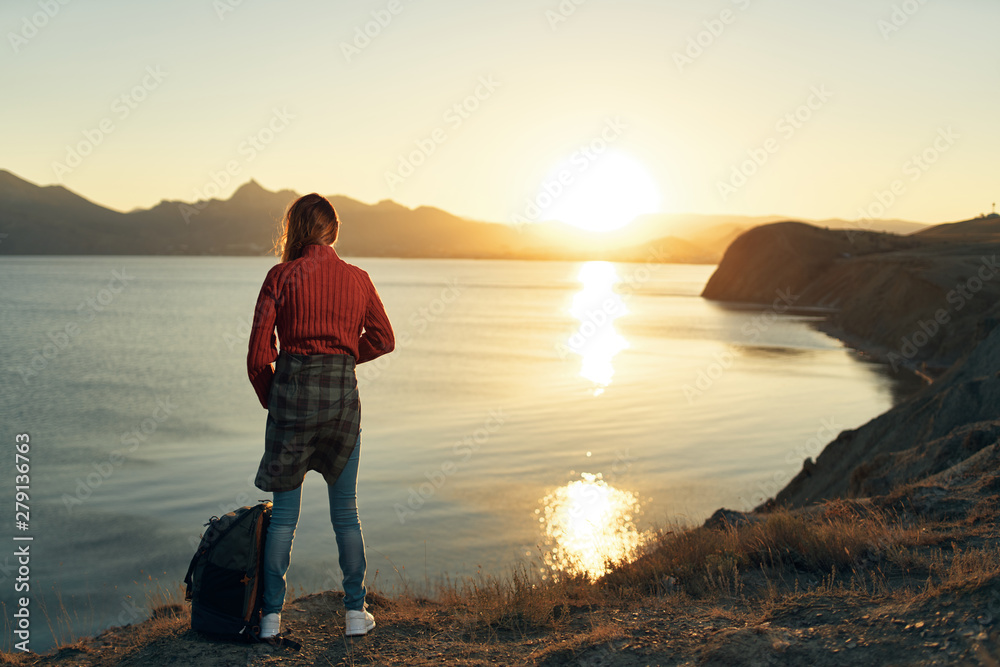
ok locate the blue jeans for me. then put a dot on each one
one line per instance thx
(350, 542)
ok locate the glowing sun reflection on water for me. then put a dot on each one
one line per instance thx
(590, 524)
(597, 306)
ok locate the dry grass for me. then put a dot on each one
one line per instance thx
(16, 658)
(841, 537)
(842, 548)
(168, 613)
(163, 611)
(962, 571)
(846, 547)
(520, 601)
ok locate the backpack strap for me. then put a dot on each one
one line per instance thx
(188, 581)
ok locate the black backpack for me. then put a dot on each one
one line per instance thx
(225, 581)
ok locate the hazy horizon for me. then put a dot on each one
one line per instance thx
(274, 190)
(733, 108)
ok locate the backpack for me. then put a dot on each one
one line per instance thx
(225, 581)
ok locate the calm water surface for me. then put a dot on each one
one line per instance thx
(545, 413)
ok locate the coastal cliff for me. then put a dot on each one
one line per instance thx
(916, 300)
(928, 301)
(938, 430)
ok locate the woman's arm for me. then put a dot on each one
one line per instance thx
(263, 348)
(377, 338)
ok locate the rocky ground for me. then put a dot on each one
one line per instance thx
(819, 627)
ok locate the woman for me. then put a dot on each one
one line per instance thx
(329, 318)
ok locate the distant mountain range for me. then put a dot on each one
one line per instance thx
(52, 220)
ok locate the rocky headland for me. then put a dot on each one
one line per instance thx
(923, 300)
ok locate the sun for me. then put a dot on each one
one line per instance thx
(607, 195)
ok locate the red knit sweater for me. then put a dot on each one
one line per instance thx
(320, 304)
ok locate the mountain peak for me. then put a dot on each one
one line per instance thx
(250, 189)
(390, 205)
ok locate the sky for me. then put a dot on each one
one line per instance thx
(513, 111)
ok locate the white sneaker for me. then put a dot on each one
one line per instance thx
(269, 625)
(358, 622)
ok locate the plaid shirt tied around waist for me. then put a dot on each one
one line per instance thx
(313, 419)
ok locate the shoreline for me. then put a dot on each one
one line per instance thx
(865, 348)
(878, 353)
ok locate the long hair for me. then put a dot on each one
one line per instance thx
(309, 220)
